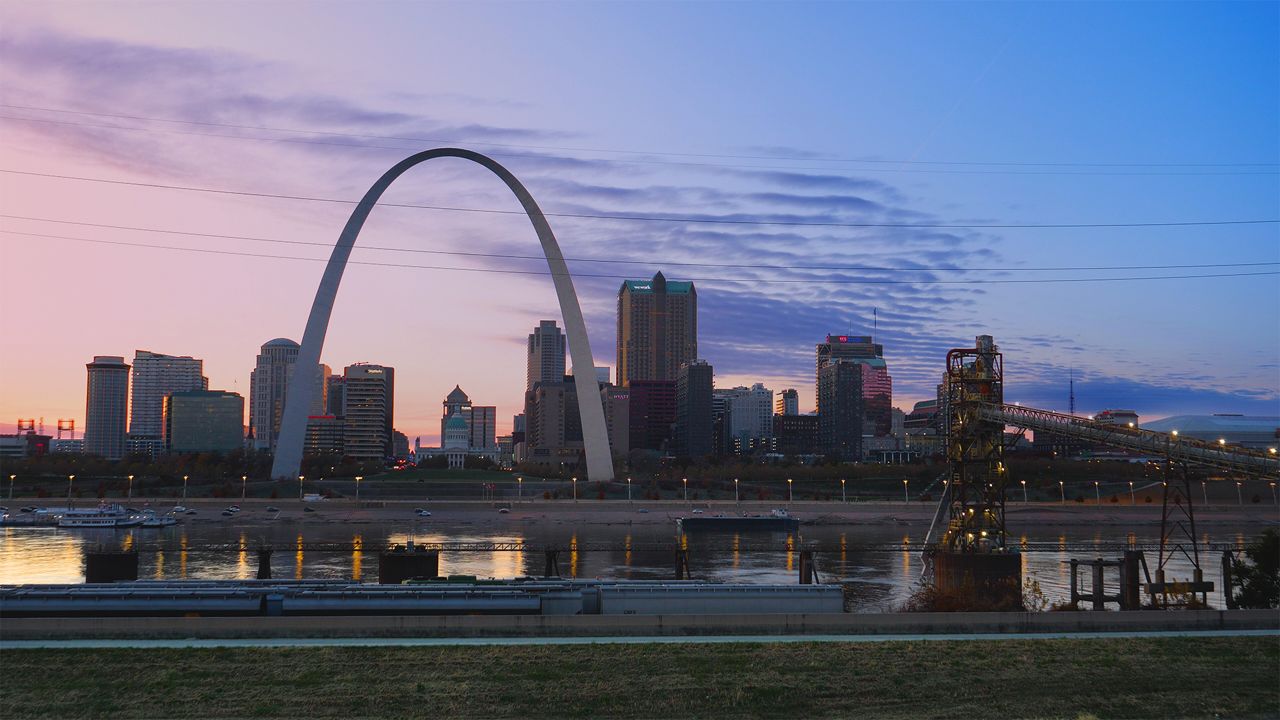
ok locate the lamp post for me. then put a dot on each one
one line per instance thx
(358, 479)
(789, 497)
(844, 495)
(1097, 493)
(686, 489)
(70, 478)
(184, 489)
(130, 491)
(628, 489)
(244, 487)
(575, 489)
(1204, 492)
(737, 500)
(1239, 495)
(15, 477)
(1273, 493)
(519, 487)
(1063, 492)
(1024, 491)
(300, 479)
(1133, 499)
(905, 498)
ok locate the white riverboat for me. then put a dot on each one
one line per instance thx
(103, 516)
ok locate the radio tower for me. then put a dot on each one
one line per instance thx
(1071, 392)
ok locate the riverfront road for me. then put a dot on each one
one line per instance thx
(629, 640)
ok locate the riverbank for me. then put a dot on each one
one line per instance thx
(1121, 678)
(490, 513)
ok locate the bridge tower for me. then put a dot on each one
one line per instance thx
(972, 551)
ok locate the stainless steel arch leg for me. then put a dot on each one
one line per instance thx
(301, 390)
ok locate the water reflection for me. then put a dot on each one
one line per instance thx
(878, 579)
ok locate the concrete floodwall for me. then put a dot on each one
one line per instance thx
(634, 625)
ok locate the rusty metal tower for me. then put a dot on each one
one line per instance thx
(975, 450)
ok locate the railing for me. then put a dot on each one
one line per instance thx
(1177, 449)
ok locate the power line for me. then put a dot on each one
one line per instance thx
(653, 218)
(793, 158)
(1025, 281)
(745, 266)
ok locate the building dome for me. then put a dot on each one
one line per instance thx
(280, 342)
(455, 422)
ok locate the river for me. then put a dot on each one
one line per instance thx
(880, 563)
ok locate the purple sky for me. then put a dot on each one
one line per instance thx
(793, 113)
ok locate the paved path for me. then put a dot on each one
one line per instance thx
(637, 640)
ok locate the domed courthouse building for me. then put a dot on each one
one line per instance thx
(465, 429)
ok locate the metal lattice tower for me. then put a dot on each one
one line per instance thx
(975, 450)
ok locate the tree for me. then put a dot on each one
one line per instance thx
(1259, 577)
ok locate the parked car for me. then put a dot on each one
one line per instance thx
(423, 513)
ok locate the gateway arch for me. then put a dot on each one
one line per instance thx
(293, 425)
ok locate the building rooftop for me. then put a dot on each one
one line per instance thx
(280, 342)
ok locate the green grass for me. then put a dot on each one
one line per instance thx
(1122, 678)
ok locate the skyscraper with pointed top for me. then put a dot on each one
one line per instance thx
(657, 329)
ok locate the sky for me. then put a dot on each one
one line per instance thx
(762, 134)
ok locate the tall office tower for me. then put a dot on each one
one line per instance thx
(106, 406)
(651, 413)
(457, 403)
(877, 385)
(787, 403)
(841, 409)
(747, 416)
(156, 375)
(369, 407)
(203, 421)
(268, 386)
(482, 426)
(545, 361)
(657, 329)
(336, 397)
(693, 434)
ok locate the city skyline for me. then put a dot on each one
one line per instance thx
(1163, 349)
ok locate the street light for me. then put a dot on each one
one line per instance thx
(628, 489)
(11, 479)
(1097, 493)
(130, 495)
(1273, 493)
(735, 490)
(844, 496)
(69, 479)
(905, 499)
(1024, 491)
(575, 489)
(1239, 496)
(300, 479)
(184, 489)
(1204, 492)
(358, 479)
(1133, 499)
(519, 488)
(1063, 492)
(788, 489)
(244, 484)
(686, 489)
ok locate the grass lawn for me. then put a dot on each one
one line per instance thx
(1121, 678)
